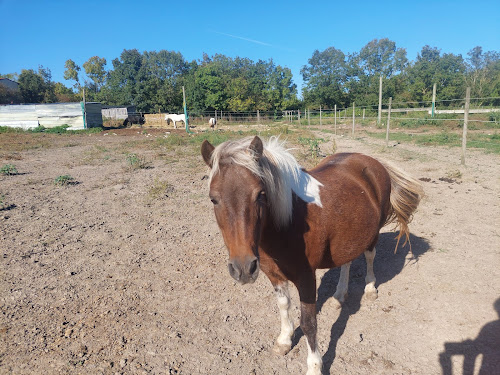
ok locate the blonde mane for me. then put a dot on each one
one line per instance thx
(279, 171)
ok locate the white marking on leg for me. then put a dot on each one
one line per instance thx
(284, 341)
(314, 361)
(370, 290)
(343, 284)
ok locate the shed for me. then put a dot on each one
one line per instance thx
(27, 116)
(117, 112)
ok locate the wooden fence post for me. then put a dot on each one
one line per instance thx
(433, 100)
(388, 121)
(309, 117)
(364, 114)
(353, 118)
(299, 115)
(379, 119)
(258, 117)
(466, 120)
(320, 120)
(335, 115)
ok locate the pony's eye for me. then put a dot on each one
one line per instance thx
(214, 201)
(262, 196)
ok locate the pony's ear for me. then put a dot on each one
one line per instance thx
(257, 147)
(206, 152)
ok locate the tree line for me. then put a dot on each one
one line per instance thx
(152, 80)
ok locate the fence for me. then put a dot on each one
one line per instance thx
(400, 120)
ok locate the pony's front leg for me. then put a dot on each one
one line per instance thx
(307, 293)
(284, 342)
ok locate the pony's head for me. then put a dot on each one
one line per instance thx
(239, 198)
(251, 185)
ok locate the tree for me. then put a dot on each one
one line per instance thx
(65, 94)
(447, 71)
(381, 57)
(95, 70)
(325, 77)
(482, 72)
(71, 73)
(32, 86)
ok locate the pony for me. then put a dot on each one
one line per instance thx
(212, 122)
(175, 118)
(288, 222)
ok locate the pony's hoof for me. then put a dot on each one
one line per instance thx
(339, 299)
(281, 349)
(371, 292)
(336, 304)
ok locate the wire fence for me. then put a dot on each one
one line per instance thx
(467, 122)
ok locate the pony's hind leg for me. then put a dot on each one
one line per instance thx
(343, 285)
(370, 290)
(284, 342)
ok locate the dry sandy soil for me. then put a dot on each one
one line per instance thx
(124, 271)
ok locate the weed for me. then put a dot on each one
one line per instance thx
(495, 116)
(8, 169)
(137, 162)
(312, 144)
(160, 189)
(454, 174)
(64, 180)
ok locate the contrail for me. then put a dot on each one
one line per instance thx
(243, 38)
(251, 40)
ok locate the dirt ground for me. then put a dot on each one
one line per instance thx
(124, 270)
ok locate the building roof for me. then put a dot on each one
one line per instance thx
(8, 79)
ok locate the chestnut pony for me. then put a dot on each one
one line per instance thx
(288, 222)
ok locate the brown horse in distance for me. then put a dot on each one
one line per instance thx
(288, 222)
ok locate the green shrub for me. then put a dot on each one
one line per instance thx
(495, 116)
(137, 162)
(64, 180)
(8, 169)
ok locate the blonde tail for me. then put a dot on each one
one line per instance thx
(406, 193)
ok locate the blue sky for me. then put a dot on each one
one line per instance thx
(49, 32)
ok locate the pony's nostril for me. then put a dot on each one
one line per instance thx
(234, 271)
(253, 267)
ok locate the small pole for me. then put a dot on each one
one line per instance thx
(320, 119)
(380, 101)
(433, 99)
(388, 121)
(84, 111)
(258, 117)
(466, 120)
(299, 115)
(309, 117)
(185, 110)
(353, 118)
(364, 114)
(335, 116)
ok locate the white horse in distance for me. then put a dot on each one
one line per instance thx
(174, 118)
(212, 122)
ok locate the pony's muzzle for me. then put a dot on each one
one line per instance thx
(244, 270)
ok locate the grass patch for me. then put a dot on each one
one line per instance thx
(8, 170)
(62, 129)
(160, 189)
(64, 180)
(135, 161)
(487, 142)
